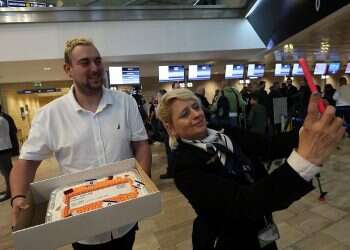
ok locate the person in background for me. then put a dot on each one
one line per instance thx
(303, 99)
(342, 99)
(262, 94)
(89, 127)
(274, 93)
(236, 104)
(284, 89)
(175, 85)
(8, 147)
(227, 185)
(257, 118)
(200, 93)
(328, 94)
(153, 119)
(291, 95)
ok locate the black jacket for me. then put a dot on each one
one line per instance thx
(13, 133)
(227, 209)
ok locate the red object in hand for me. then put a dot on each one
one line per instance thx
(310, 82)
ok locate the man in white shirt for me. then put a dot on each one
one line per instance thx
(342, 100)
(89, 127)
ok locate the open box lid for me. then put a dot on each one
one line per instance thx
(33, 233)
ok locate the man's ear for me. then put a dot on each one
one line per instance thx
(67, 68)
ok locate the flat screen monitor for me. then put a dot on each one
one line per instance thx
(199, 72)
(297, 70)
(256, 70)
(282, 69)
(320, 69)
(333, 68)
(234, 71)
(171, 73)
(124, 75)
(347, 70)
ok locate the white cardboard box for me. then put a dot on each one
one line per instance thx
(32, 233)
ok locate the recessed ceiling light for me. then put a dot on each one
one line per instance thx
(46, 68)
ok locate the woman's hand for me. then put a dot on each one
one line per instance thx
(320, 134)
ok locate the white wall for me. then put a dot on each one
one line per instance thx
(46, 40)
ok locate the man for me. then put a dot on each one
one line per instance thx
(257, 118)
(236, 104)
(342, 99)
(200, 93)
(8, 148)
(89, 127)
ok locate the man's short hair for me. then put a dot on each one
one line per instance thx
(71, 44)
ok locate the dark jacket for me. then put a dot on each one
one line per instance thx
(229, 211)
(13, 133)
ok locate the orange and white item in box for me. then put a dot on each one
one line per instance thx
(94, 194)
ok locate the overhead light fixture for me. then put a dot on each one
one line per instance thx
(325, 46)
(288, 48)
(46, 68)
(255, 5)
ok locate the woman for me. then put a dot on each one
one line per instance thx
(224, 181)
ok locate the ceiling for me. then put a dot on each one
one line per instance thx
(80, 3)
(326, 41)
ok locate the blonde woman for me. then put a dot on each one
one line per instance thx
(227, 186)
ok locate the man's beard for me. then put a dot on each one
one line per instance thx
(89, 88)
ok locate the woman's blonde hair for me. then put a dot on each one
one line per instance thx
(164, 107)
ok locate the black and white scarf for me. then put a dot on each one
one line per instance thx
(229, 154)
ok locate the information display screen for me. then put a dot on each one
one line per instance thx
(199, 72)
(282, 69)
(171, 73)
(256, 70)
(320, 69)
(347, 70)
(21, 3)
(297, 70)
(124, 75)
(234, 71)
(333, 68)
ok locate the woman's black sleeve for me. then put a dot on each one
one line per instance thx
(263, 146)
(215, 195)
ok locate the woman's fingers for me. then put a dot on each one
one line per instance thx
(313, 113)
(327, 117)
(336, 125)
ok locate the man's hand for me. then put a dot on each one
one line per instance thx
(21, 175)
(18, 205)
(320, 134)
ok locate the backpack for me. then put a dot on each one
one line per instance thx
(223, 107)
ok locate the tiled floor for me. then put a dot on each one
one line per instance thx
(308, 224)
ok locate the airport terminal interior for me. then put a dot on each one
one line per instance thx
(205, 46)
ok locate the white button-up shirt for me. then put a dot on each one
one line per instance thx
(81, 139)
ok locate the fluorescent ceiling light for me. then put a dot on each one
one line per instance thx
(255, 5)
